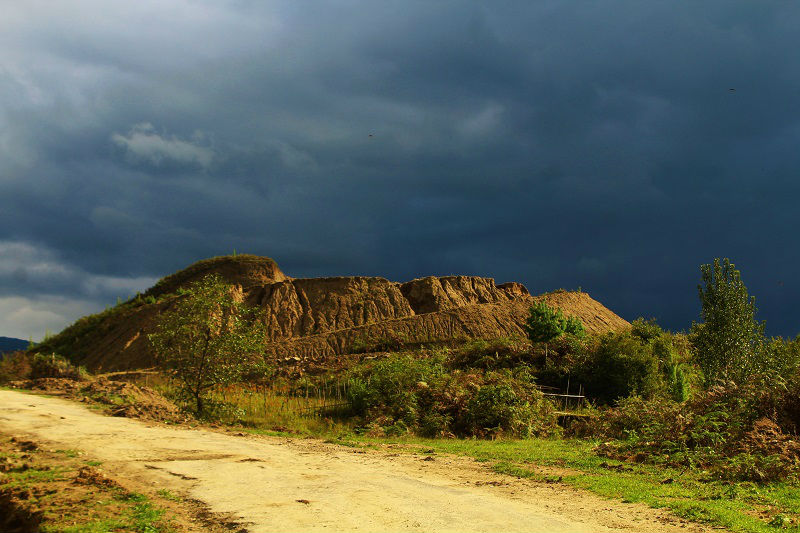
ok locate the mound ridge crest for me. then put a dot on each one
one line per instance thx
(315, 319)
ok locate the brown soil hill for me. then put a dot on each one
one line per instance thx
(432, 294)
(245, 270)
(484, 321)
(299, 307)
(318, 318)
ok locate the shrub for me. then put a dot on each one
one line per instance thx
(497, 407)
(619, 365)
(422, 393)
(55, 366)
(491, 354)
(546, 323)
(779, 359)
(728, 430)
(574, 326)
(566, 361)
(646, 329)
(26, 365)
(675, 373)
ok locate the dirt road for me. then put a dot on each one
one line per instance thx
(273, 484)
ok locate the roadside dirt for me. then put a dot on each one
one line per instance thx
(117, 397)
(56, 490)
(274, 484)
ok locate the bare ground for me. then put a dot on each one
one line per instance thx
(275, 484)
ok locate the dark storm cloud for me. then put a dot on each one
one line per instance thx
(554, 143)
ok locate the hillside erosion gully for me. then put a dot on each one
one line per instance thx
(279, 484)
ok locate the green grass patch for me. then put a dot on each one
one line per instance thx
(169, 495)
(96, 526)
(20, 477)
(69, 453)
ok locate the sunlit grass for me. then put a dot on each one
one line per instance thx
(273, 409)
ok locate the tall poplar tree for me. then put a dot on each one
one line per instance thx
(728, 344)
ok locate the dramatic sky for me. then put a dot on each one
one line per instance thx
(611, 145)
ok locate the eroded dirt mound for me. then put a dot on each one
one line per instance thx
(245, 270)
(121, 399)
(317, 318)
(432, 294)
(476, 321)
(300, 307)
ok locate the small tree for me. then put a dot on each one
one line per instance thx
(574, 326)
(206, 339)
(546, 323)
(729, 342)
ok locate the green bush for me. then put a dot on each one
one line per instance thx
(497, 407)
(206, 339)
(545, 323)
(491, 354)
(422, 393)
(779, 359)
(618, 366)
(646, 329)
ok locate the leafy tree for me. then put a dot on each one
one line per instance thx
(729, 342)
(619, 365)
(574, 326)
(546, 323)
(646, 329)
(208, 338)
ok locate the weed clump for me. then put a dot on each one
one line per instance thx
(729, 430)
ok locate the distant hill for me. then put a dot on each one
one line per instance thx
(315, 320)
(9, 344)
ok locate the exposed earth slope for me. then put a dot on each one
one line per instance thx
(314, 319)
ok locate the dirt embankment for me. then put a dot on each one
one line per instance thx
(317, 318)
(118, 398)
(274, 484)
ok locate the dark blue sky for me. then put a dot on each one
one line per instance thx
(610, 145)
